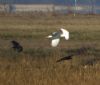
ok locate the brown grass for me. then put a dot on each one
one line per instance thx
(36, 65)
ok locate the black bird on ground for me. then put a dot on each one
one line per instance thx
(16, 46)
(69, 57)
(80, 51)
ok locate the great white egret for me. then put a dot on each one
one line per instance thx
(55, 36)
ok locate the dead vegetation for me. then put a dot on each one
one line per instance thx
(37, 65)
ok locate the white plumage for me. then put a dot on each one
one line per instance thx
(65, 33)
(55, 42)
(55, 36)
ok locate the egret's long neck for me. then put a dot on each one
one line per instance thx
(50, 36)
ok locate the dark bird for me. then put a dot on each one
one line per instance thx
(80, 51)
(69, 57)
(16, 46)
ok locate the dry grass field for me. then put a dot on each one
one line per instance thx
(37, 65)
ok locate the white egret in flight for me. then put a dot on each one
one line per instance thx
(55, 36)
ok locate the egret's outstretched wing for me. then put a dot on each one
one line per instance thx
(65, 33)
(55, 42)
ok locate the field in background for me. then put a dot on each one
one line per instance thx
(36, 65)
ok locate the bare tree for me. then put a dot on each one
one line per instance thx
(93, 6)
(75, 3)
